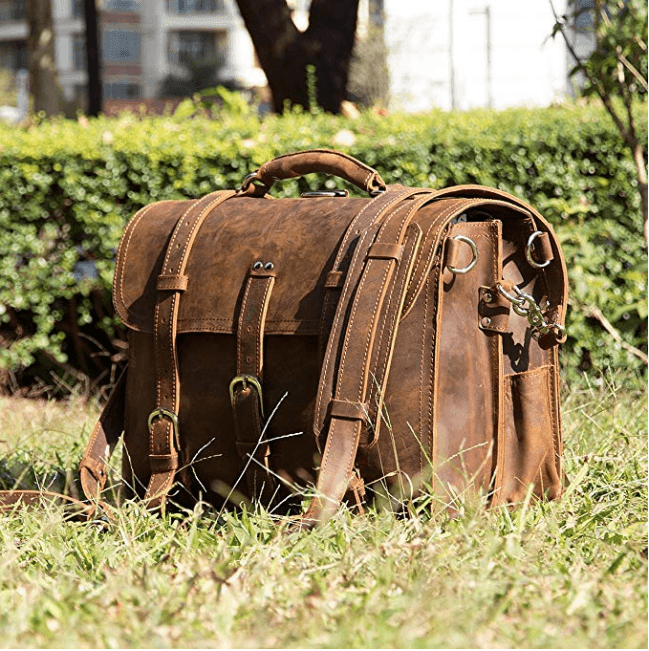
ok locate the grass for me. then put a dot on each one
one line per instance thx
(567, 574)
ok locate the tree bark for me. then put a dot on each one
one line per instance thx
(284, 52)
(92, 58)
(43, 76)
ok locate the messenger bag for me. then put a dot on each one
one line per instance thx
(334, 347)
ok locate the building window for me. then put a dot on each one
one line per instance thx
(77, 9)
(583, 15)
(13, 55)
(123, 5)
(195, 47)
(121, 90)
(79, 52)
(195, 6)
(123, 46)
(12, 10)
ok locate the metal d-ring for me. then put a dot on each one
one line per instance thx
(248, 179)
(474, 250)
(528, 252)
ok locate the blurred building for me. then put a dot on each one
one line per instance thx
(452, 54)
(143, 44)
(459, 54)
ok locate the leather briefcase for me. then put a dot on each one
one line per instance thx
(334, 345)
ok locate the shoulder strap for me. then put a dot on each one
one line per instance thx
(103, 441)
(358, 238)
(392, 253)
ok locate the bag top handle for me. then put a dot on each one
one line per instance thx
(323, 161)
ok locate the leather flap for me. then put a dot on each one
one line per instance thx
(300, 237)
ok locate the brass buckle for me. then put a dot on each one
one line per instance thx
(161, 412)
(245, 380)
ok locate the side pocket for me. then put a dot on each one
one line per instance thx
(532, 436)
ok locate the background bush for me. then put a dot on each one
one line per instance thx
(68, 188)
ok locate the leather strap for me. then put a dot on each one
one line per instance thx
(15, 499)
(102, 443)
(247, 401)
(164, 445)
(323, 161)
(103, 440)
(395, 307)
(365, 315)
(358, 238)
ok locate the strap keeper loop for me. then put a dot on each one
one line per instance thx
(335, 280)
(160, 463)
(96, 468)
(385, 251)
(348, 410)
(171, 283)
(451, 252)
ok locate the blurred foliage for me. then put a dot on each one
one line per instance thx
(615, 68)
(68, 189)
(617, 64)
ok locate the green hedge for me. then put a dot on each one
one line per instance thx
(67, 189)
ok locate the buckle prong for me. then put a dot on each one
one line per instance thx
(245, 380)
(161, 412)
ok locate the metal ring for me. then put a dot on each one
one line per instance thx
(474, 250)
(324, 193)
(248, 180)
(516, 300)
(528, 251)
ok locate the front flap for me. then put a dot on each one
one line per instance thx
(299, 236)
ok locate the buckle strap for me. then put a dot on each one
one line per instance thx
(245, 389)
(164, 445)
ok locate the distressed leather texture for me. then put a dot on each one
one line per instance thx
(333, 344)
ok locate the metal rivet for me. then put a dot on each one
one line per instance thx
(258, 265)
(269, 266)
(486, 321)
(488, 298)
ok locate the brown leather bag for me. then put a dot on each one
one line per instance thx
(400, 343)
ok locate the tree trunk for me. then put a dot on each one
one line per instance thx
(43, 76)
(92, 58)
(641, 170)
(284, 52)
